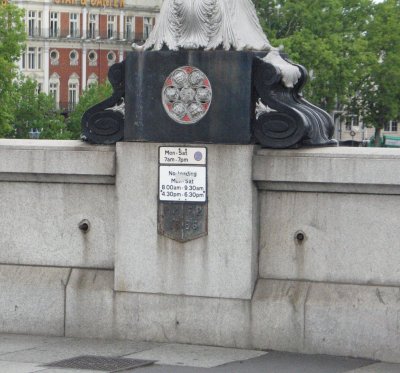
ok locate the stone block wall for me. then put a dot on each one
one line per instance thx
(250, 283)
(340, 284)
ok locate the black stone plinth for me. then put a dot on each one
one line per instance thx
(229, 116)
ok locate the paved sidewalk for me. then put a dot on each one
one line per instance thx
(28, 354)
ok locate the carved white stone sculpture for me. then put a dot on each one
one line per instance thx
(212, 24)
(208, 24)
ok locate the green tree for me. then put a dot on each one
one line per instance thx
(89, 98)
(378, 98)
(326, 36)
(33, 110)
(12, 37)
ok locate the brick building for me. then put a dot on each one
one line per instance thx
(72, 43)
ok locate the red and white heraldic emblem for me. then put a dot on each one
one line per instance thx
(187, 95)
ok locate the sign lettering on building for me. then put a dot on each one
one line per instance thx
(93, 3)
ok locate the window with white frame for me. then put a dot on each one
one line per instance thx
(111, 26)
(111, 57)
(391, 126)
(23, 60)
(54, 57)
(129, 28)
(92, 57)
(39, 58)
(54, 89)
(74, 25)
(73, 57)
(31, 58)
(92, 29)
(53, 32)
(147, 27)
(73, 92)
(92, 81)
(34, 23)
(54, 92)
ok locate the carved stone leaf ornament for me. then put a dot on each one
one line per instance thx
(208, 24)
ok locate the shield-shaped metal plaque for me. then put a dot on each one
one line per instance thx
(182, 222)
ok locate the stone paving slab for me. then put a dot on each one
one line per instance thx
(58, 370)
(55, 349)
(45, 356)
(273, 362)
(378, 368)
(24, 354)
(195, 356)
(13, 367)
(14, 343)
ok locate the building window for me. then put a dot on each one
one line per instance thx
(39, 58)
(53, 92)
(129, 28)
(73, 58)
(54, 57)
(351, 122)
(391, 126)
(111, 26)
(53, 32)
(31, 58)
(348, 123)
(92, 31)
(34, 23)
(92, 81)
(92, 57)
(54, 89)
(23, 60)
(74, 25)
(72, 95)
(147, 27)
(39, 88)
(111, 57)
(73, 92)
(31, 23)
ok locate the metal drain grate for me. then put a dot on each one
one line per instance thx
(102, 363)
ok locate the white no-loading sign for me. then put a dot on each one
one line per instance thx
(183, 174)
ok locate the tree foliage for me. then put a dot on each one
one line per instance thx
(32, 110)
(350, 47)
(378, 99)
(326, 36)
(12, 37)
(89, 98)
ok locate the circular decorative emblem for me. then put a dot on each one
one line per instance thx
(187, 95)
